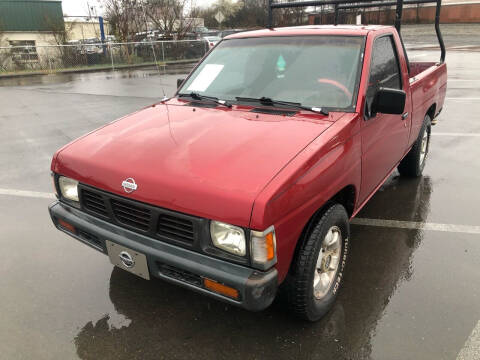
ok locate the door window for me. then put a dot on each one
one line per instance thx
(384, 68)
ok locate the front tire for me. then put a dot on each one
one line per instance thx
(413, 163)
(318, 268)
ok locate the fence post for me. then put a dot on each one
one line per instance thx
(163, 54)
(155, 57)
(111, 55)
(51, 60)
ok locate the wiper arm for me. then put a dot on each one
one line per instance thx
(214, 99)
(268, 101)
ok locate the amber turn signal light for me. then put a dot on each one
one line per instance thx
(270, 246)
(67, 226)
(263, 248)
(220, 288)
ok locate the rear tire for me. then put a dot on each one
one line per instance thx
(318, 268)
(413, 163)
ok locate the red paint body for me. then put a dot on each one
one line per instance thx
(257, 170)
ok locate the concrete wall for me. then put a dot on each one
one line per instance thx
(40, 38)
(42, 55)
(79, 30)
(450, 13)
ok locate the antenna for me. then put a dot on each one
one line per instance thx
(89, 11)
(153, 50)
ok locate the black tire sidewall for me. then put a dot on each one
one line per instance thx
(336, 216)
(425, 127)
(410, 165)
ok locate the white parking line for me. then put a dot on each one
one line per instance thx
(418, 55)
(463, 98)
(454, 134)
(471, 349)
(24, 193)
(466, 229)
(463, 46)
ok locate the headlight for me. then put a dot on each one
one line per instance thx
(68, 188)
(263, 248)
(228, 237)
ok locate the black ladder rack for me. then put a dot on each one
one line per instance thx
(356, 4)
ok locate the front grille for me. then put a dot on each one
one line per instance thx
(89, 237)
(94, 202)
(146, 219)
(175, 228)
(131, 215)
(179, 274)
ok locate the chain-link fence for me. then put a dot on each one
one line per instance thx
(78, 57)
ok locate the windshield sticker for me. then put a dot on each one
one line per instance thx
(206, 77)
(281, 64)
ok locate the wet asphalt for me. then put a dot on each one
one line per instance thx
(408, 293)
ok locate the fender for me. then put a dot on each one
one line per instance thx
(318, 173)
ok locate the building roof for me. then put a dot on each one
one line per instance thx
(30, 15)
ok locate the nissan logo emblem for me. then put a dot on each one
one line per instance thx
(127, 259)
(129, 185)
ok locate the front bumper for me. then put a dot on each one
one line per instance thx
(257, 289)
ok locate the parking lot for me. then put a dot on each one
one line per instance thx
(412, 289)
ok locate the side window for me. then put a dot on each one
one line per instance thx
(384, 68)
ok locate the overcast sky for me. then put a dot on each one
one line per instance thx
(80, 7)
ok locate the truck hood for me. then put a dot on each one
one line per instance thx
(208, 162)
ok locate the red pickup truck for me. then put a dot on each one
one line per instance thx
(244, 182)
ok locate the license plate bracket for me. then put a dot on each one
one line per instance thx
(128, 259)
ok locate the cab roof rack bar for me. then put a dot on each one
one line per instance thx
(357, 4)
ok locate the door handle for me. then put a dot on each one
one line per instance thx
(404, 116)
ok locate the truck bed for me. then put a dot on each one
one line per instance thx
(416, 67)
(428, 82)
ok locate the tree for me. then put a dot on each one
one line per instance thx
(1, 33)
(61, 34)
(290, 16)
(124, 17)
(252, 13)
(241, 14)
(5, 54)
(170, 16)
(58, 29)
(208, 16)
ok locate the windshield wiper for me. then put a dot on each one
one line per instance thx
(268, 101)
(197, 96)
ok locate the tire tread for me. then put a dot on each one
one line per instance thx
(298, 283)
(410, 166)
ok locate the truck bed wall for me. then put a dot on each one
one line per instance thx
(416, 67)
(428, 84)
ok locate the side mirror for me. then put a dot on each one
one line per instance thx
(180, 82)
(389, 101)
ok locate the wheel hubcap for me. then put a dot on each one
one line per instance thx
(424, 147)
(327, 262)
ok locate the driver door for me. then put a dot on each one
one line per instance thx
(384, 136)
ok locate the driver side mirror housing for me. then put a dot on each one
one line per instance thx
(180, 82)
(389, 101)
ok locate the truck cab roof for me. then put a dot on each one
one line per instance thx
(359, 30)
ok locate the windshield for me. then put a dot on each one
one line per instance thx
(315, 71)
